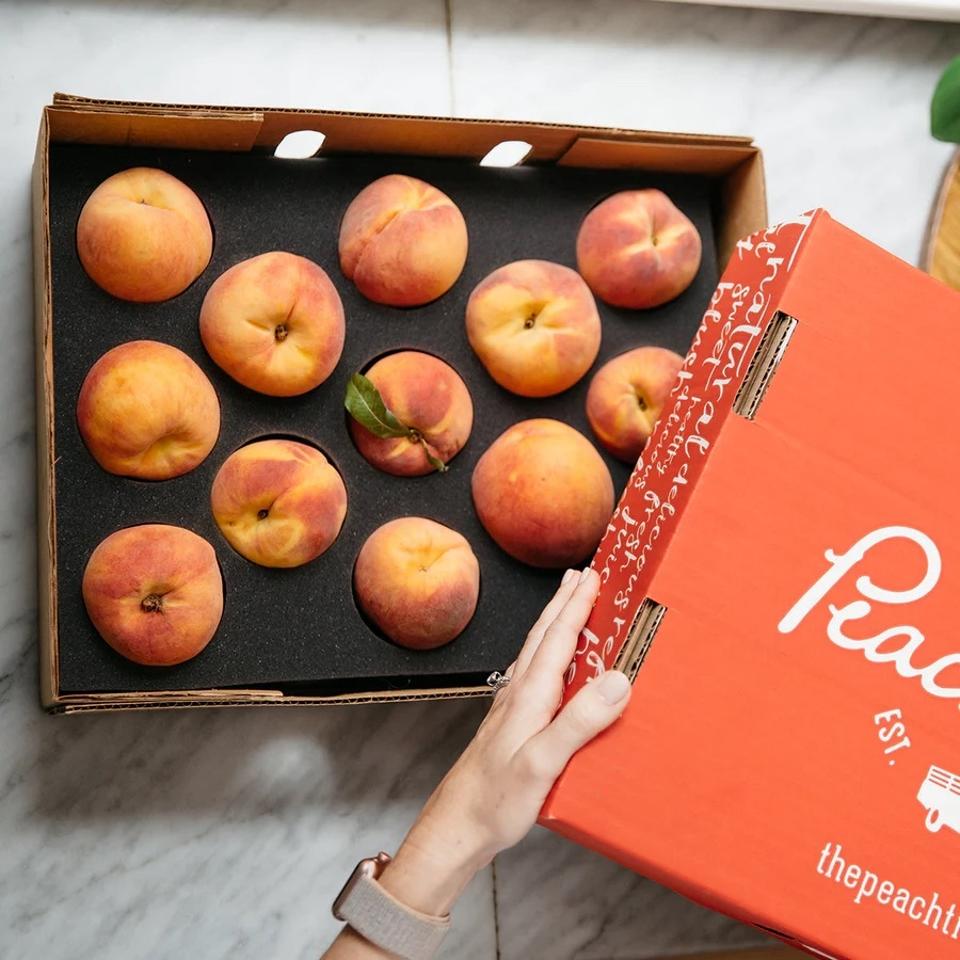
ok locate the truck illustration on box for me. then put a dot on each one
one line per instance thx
(940, 795)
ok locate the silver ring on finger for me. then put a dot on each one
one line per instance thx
(498, 681)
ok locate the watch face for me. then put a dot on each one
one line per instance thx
(371, 867)
(363, 868)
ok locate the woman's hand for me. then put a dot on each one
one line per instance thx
(491, 797)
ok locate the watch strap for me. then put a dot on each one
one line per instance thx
(379, 917)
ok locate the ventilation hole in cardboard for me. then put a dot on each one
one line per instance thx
(507, 153)
(300, 145)
(348, 418)
(640, 636)
(769, 353)
(373, 627)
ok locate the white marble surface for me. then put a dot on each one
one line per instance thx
(212, 834)
(608, 913)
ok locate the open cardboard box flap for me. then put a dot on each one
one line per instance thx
(786, 754)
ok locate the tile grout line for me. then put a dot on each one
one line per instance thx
(448, 29)
(496, 906)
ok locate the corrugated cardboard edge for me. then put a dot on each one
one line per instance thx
(744, 190)
(736, 158)
(46, 494)
(183, 700)
(278, 121)
(87, 120)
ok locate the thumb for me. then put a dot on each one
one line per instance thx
(592, 710)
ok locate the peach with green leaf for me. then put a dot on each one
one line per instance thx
(410, 414)
(942, 255)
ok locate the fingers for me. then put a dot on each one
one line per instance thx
(592, 710)
(555, 651)
(508, 674)
(535, 636)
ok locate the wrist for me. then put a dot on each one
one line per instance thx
(431, 869)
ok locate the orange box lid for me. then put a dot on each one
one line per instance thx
(783, 572)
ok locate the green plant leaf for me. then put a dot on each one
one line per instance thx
(945, 107)
(366, 406)
(435, 462)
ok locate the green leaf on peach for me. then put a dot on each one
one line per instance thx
(366, 406)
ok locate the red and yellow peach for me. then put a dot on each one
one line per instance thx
(146, 410)
(154, 593)
(274, 323)
(426, 395)
(543, 493)
(279, 503)
(636, 249)
(402, 241)
(627, 395)
(535, 327)
(418, 581)
(144, 235)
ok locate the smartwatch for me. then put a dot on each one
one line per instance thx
(378, 917)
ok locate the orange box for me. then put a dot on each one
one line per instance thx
(781, 577)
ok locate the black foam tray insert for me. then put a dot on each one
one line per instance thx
(299, 630)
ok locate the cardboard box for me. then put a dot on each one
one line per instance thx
(83, 139)
(781, 577)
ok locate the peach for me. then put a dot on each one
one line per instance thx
(402, 242)
(146, 410)
(279, 503)
(418, 581)
(426, 395)
(534, 326)
(144, 235)
(154, 593)
(637, 250)
(274, 323)
(626, 397)
(543, 493)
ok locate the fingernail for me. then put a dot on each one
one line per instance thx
(584, 575)
(613, 686)
(568, 575)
